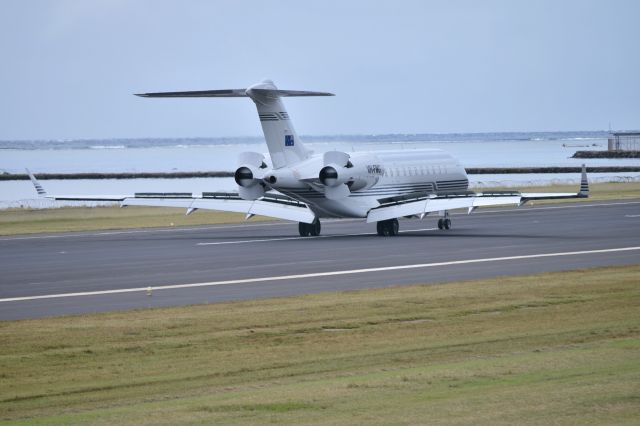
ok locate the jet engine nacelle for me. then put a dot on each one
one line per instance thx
(245, 176)
(333, 175)
(340, 175)
(249, 175)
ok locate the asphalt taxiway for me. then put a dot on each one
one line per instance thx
(71, 273)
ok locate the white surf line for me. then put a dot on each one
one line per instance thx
(266, 240)
(317, 274)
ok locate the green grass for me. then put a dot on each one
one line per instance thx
(542, 349)
(24, 221)
(597, 191)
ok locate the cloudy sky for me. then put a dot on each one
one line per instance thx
(69, 68)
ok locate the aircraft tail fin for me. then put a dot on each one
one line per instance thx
(229, 93)
(285, 148)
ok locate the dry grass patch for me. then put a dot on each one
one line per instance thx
(549, 348)
(23, 221)
(597, 191)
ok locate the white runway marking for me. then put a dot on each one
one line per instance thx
(212, 227)
(154, 230)
(318, 274)
(217, 243)
(141, 231)
(632, 215)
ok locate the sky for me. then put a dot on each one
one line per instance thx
(69, 67)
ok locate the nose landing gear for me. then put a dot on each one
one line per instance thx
(309, 229)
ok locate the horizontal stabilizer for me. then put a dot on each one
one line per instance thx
(230, 93)
(300, 93)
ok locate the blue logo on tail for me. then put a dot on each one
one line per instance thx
(288, 140)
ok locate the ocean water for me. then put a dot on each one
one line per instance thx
(219, 154)
(213, 154)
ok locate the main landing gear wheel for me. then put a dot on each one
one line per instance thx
(444, 223)
(388, 228)
(309, 229)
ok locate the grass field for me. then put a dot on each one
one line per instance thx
(26, 221)
(558, 348)
(22, 221)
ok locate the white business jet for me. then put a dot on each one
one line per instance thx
(296, 184)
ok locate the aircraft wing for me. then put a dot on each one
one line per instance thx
(428, 203)
(272, 205)
(278, 206)
(421, 204)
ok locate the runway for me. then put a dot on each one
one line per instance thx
(57, 274)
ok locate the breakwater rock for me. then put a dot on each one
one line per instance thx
(143, 175)
(527, 170)
(606, 154)
(225, 174)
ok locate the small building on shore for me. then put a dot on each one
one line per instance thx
(624, 141)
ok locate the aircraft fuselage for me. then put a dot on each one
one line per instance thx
(378, 175)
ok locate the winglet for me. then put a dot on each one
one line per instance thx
(39, 189)
(584, 183)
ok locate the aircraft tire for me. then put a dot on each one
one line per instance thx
(314, 228)
(387, 228)
(441, 224)
(394, 227)
(304, 229)
(447, 224)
